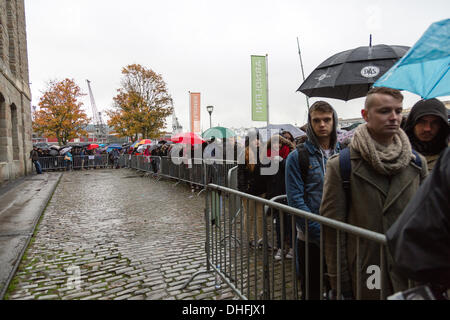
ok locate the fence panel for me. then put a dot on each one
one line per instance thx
(251, 268)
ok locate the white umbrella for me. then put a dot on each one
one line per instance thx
(65, 150)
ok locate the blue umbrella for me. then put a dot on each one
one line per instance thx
(113, 146)
(424, 69)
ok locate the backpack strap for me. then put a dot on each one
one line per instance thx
(303, 160)
(418, 161)
(345, 166)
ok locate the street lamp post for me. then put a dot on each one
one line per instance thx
(210, 110)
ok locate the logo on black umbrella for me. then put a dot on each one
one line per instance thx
(323, 76)
(370, 71)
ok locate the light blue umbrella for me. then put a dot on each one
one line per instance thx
(113, 146)
(424, 69)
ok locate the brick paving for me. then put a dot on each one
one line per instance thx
(127, 236)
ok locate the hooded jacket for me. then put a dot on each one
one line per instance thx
(431, 150)
(307, 195)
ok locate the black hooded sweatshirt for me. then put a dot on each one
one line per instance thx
(424, 108)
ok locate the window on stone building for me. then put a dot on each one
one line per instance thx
(15, 132)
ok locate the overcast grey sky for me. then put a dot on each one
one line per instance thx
(205, 46)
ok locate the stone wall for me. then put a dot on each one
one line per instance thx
(15, 96)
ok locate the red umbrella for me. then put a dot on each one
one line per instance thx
(92, 146)
(188, 138)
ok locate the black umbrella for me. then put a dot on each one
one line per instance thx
(350, 74)
(42, 145)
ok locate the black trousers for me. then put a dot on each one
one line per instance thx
(313, 272)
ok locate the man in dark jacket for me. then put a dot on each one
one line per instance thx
(34, 156)
(419, 240)
(305, 193)
(427, 129)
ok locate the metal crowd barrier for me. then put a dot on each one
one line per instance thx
(91, 161)
(252, 272)
(78, 162)
(52, 163)
(195, 171)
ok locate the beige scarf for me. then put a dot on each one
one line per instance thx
(386, 160)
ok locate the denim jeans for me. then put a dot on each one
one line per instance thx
(38, 166)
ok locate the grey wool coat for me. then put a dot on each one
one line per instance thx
(376, 202)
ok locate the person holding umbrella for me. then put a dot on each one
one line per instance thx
(383, 175)
(428, 130)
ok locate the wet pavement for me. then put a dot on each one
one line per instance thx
(117, 234)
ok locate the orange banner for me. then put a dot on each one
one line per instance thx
(195, 112)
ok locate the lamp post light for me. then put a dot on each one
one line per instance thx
(210, 110)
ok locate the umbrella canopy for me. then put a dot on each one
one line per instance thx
(112, 147)
(55, 147)
(65, 150)
(142, 147)
(92, 146)
(115, 146)
(187, 138)
(53, 152)
(143, 141)
(350, 74)
(218, 132)
(424, 70)
(266, 132)
(42, 145)
(134, 144)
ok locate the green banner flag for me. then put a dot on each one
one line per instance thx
(259, 88)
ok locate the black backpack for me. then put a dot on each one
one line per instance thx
(303, 159)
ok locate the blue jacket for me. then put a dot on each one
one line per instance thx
(307, 196)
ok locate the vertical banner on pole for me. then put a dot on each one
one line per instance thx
(259, 88)
(194, 103)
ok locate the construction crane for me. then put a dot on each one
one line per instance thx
(98, 122)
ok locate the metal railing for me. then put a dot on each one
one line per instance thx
(78, 162)
(195, 171)
(253, 272)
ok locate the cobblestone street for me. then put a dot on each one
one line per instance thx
(128, 235)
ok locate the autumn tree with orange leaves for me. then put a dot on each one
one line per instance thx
(141, 105)
(60, 114)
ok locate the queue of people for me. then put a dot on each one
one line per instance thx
(368, 184)
(366, 180)
(76, 157)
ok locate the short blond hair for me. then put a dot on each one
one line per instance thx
(396, 94)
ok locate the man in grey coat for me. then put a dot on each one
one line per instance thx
(384, 177)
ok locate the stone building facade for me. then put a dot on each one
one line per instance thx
(15, 95)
